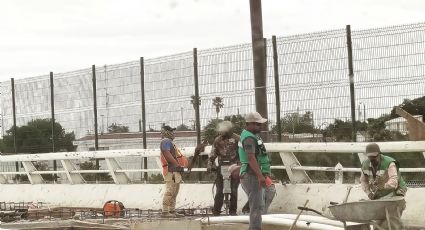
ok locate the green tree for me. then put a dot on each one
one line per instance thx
(116, 128)
(376, 130)
(91, 177)
(195, 101)
(414, 107)
(296, 123)
(182, 127)
(340, 130)
(36, 137)
(40, 166)
(209, 133)
(218, 104)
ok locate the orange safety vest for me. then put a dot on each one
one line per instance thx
(181, 159)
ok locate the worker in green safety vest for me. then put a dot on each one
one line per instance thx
(255, 167)
(380, 179)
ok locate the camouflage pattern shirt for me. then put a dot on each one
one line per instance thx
(225, 148)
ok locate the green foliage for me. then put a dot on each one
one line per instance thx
(115, 128)
(209, 133)
(40, 166)
(340, 130)
(195, 101)
(91, 177)
(182, 127)
(156, 178)
(36, 137)
(414, 107)
(218, 104)
(376, 130)
(296, 123)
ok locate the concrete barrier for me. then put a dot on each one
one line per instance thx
(149, 196)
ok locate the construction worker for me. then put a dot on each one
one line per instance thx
(225, 149)
(380, 179)
(173, 163)
(255, 167)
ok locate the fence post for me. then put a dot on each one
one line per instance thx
(142, 86)
(197, 99)
(96, 137)
(351, 76)
(196, 103)
(15, 147)
(277, 88)
(339, 175)
(52, 105)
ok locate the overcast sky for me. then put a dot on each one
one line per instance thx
(64, 35)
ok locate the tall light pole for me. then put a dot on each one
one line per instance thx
(2, 125)
(364, 111)
(103, 125)
(181, 109)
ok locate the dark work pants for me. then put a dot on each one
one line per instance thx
(219, 196)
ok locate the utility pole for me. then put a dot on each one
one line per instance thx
(351, 77)
(259, 62)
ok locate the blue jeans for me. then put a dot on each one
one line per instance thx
(255, 195)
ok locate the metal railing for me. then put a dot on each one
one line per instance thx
(296, 172)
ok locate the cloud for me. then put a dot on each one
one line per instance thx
(107, 31)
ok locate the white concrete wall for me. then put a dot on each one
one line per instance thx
(149, 196)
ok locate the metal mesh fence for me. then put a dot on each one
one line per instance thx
(313, 77)
(73, 96)
(389, 67)
(118, 96)
(227, 73)
(314, 87)
(168, 89)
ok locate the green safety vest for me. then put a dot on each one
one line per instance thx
(382, 170)
(261, 155)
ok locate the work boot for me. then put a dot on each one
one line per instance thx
(232, 213)
(216, 213)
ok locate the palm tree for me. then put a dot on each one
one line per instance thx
(218, 104)
(195, 101)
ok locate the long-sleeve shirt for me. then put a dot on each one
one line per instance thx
(225, 148)
(388, 180)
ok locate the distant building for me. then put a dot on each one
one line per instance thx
(400, 124)
(297, 137)
(114, 141)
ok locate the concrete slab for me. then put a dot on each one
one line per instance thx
(168, 224)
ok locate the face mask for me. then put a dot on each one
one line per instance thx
(167, 134)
